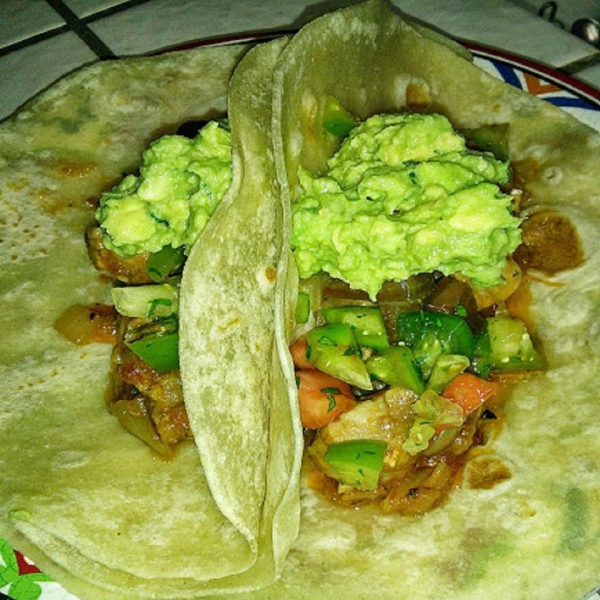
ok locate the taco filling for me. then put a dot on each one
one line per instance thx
(404, 334)
(405, 246)
(146, 226)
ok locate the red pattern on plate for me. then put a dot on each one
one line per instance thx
(25, 566)
(545, 83)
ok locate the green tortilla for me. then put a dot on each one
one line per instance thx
(84, 499)
(535, 535)
(88, 502)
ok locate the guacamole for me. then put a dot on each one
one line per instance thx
(404, 195)
(179, 185)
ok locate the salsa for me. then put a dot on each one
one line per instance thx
(419, 372)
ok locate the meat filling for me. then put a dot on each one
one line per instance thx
(147, 402)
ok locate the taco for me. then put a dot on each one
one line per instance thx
(538, 524)
(80, 496)
(531, 532)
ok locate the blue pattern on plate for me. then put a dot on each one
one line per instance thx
(510, 75)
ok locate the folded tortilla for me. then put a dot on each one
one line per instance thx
(536, 534)
(83, 498)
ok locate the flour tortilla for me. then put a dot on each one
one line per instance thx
(537, 534)
(79, 495)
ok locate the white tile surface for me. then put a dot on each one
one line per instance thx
(85, 8)
(20, 19)
(26, 72)
(504, 25)
(164, 23)
(496, 23)
(590, 75)
(156, 24)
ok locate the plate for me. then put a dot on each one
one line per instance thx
(20, 579)
(574, 96)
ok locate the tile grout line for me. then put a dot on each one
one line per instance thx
(31, 41)
(85, 34)
(77, 25)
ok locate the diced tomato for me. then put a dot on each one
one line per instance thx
(322, 398)
(298, 350)
(469, 391)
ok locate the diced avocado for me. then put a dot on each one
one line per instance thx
(367, 322)
(336, 119)
(481, 364)
(509, 345)
(333, 350)
(159, 350)
(396, 366)
(166, 261)
(431, 334)
(445, 369)
(357, 462)
(302, 308)
(160, 300)
(419, 435)
(490, 138)
(432, 413)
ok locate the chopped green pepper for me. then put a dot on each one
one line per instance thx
(357, 462)
(166, 261)
(336, 119)
(431, 334)
(396, 366)
(160, 349)
(491, 138)
(367, 322)
(482, 363)
(333, 350)
(302, 308)
(445, 369)
(505, 345)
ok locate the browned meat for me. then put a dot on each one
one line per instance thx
(147, 403)
(550, 243)
(131, 270)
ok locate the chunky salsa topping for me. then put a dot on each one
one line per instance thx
(398, 392)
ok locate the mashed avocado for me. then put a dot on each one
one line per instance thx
(180, 183)
(403, 195)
